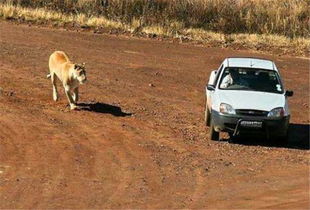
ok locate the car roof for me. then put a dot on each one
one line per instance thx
(258, 63)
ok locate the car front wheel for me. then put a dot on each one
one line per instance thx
(214, 135)
(283, 140)
(207, 116)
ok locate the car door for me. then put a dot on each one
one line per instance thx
(213, 79)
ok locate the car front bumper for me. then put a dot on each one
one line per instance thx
(234, 124)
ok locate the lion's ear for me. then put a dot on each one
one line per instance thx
(76, 66)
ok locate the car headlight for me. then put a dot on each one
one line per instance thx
(226, 109)
(277, 112)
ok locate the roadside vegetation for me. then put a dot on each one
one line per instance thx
(281, 26)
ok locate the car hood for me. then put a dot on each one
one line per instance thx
(251, 99)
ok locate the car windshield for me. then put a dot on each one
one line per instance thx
(234, 78)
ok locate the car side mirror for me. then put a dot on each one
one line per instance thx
(289, 93)
(211, 87)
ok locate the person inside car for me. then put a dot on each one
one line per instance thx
(233, 78)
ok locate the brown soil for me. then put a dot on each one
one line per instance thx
(139, 140)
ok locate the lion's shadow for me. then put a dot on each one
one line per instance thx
(104, 109)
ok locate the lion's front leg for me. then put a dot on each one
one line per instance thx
(70, 98)
(76, 95)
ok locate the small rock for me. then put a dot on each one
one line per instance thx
(10, 93)
(85, 26)
(152, 35)
(227, 164)
(151, 85)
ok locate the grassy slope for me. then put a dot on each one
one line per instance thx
(263, 42)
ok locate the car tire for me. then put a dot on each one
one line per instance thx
(232, 138)
(207, 116)
(214, 135)
(283, 140)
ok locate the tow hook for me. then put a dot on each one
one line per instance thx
(236, 131)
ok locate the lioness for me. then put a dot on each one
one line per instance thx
(70, 74)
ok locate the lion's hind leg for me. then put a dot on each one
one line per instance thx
(55, 92)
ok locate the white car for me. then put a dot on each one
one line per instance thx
(246, 96)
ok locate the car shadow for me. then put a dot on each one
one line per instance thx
(104, 109)
(298, 139)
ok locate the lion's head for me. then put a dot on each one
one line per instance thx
(80, 73)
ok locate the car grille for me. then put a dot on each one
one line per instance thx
(251, 112)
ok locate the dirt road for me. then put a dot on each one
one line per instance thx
(136, 145)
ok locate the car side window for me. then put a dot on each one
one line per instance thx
(218, 75)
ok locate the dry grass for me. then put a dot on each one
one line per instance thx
(8, 11)
(281, 17)
(298, 45)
